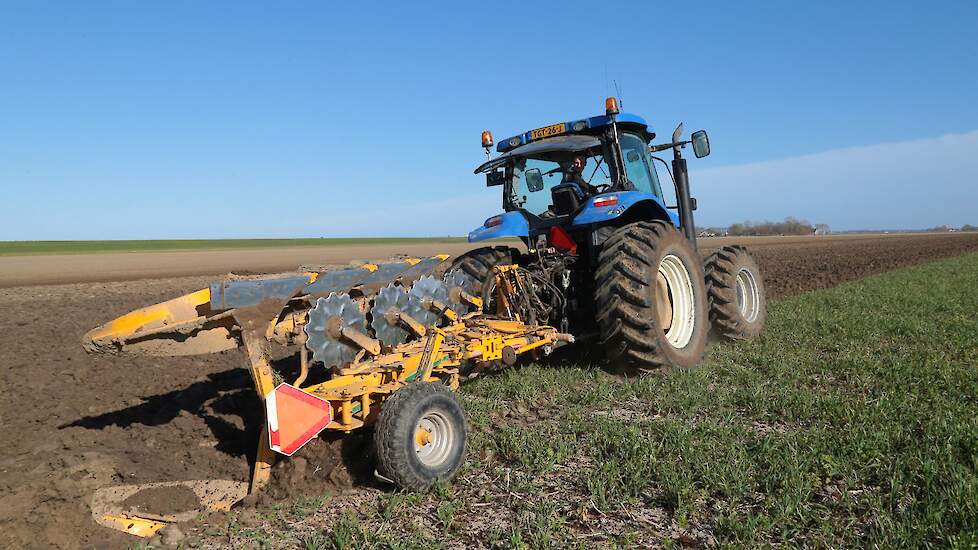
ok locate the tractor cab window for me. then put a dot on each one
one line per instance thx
(638, 165)
(532, 183)
(534, 178)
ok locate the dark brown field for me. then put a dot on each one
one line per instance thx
(72, 423)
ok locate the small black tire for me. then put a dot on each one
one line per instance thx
(632, 313)
(414, 409)
(738, 304)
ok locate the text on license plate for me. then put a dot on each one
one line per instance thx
(548, 131)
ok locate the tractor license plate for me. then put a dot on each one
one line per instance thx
(547, 131)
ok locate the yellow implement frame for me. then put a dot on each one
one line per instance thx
(357, 391)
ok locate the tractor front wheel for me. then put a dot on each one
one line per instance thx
(478, 264)
(420, 436)
(738, 306)
(651, 299)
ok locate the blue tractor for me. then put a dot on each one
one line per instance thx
(610, 261)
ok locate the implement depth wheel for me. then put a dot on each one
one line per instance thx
(651, 299)
(738, 306)
(420, 436)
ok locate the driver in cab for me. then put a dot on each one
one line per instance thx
(573, 178)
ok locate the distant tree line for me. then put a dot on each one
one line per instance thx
(795, 226)
(790, 226)
(946, 228)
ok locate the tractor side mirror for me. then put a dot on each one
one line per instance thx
(701, 144)
(496, 177)
(534, 179)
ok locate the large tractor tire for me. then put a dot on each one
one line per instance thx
(478, 264)
(651, 299)
(420, 436)
(738, 305)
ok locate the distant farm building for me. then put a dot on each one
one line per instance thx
(821, 229)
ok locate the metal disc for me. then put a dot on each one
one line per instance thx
(324, 347)
(389, 297)
(457, 278)
(426, 288)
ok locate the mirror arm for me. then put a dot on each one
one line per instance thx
(667, 146)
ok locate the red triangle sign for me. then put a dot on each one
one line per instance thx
(294, 417)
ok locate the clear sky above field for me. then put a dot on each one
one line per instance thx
(191, 119)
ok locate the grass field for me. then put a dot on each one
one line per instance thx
(18, 248)
(853, 421)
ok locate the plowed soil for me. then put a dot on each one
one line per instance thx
(71, 423)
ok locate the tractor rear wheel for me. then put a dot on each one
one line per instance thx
(651, 299)
(420, 436)
(738, 306)
(478, 264)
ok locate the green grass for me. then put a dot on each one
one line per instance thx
(852, 422)
(20, 248)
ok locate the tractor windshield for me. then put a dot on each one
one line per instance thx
(526, 191)
(532, 171)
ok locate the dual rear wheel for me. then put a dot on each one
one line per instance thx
(658, 301)
(738, 306)
(651, 299)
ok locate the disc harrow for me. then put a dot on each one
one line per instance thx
(332, 329)
(386, 315)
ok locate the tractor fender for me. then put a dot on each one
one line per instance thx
(644, 206)
(509, 224)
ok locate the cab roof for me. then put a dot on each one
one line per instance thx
(568, 143)
(586, 126)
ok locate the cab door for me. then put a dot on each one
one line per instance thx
(638, 164)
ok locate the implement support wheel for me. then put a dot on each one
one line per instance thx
(420, 436)
(651, 299)
(738, 306)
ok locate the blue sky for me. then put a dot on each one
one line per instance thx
(190, 119)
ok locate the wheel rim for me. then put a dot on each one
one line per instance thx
(748, 297)
(434, 437)
(680, 286)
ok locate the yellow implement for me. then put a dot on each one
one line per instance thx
(109, 510)
(183, 326)
(425, 333)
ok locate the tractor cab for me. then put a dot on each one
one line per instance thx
(576, 175)
(530, 167)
